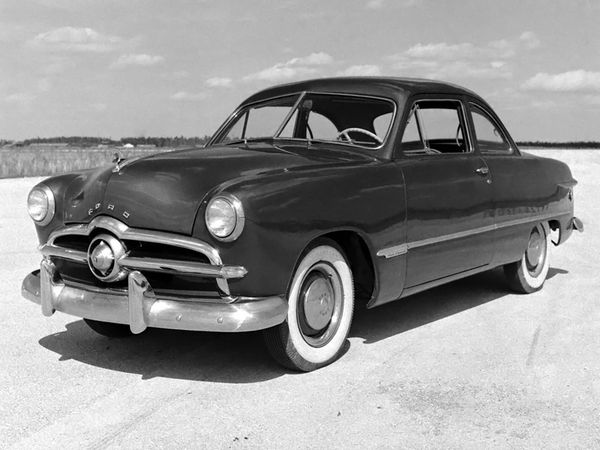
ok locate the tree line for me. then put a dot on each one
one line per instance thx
(570, 144)
(90, 141)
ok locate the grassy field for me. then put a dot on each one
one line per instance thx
(45, 161)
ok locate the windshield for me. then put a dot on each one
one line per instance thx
(262, 120)
(348, 119)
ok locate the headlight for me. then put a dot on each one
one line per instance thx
(41, 205)
(224, 217)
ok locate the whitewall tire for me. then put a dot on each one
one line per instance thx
(320, 309)
(529, 273)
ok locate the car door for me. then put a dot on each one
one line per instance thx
(516, 194)
(448, 194)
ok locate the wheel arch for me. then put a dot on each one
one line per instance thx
(358, 252)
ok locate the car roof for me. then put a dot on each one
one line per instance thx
(389, 87)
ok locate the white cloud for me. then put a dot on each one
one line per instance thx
(379, 4)
(572, 81)
(99, 107)
(56, 66)
(280, 72)
(75, 39)
(543, 104)
(43, 85)
(176, 75)
(592, 100)
(20, 98)
(138, 59)
(453, 70)
(361, 70)
(294, 68)
(219, 82)
(530, 39)
(375, 4)
(502, 48)
(441, 51)
(458, 70)
(189, 96)
(457, 61)
(314, 59)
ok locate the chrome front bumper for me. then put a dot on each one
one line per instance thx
(139, 307)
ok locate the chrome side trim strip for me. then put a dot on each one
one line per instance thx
(449, 237)
(401, 249)
(391, 252)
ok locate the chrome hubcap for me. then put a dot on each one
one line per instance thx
(535, 254)
(320, 304)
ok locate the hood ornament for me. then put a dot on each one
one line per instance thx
(117, 160)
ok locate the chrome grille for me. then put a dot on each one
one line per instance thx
(172, 263)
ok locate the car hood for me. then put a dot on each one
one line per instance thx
(164, 191)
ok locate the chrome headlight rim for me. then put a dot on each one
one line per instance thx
(240, 218)
(51, 204)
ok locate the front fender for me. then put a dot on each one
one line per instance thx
(59, 186)
(286, 211)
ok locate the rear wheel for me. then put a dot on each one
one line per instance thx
(320, 308)
(109, 329)
(529, 273)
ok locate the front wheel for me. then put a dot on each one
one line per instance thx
(109, 329)
(529, 273)
(320, 308)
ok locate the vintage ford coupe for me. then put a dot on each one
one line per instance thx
(312, 197)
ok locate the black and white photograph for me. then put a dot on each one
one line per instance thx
(360, 224)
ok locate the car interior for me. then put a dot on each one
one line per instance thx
(434, 127)
(357, 120)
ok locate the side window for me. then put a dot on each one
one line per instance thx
(435, 126)
(320, 127)
(381, 124)
(411, 139)
(489, 137)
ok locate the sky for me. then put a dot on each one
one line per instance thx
(118, 68)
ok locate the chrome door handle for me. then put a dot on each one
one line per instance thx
(482, 170)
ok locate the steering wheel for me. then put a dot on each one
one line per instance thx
(344, 134)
